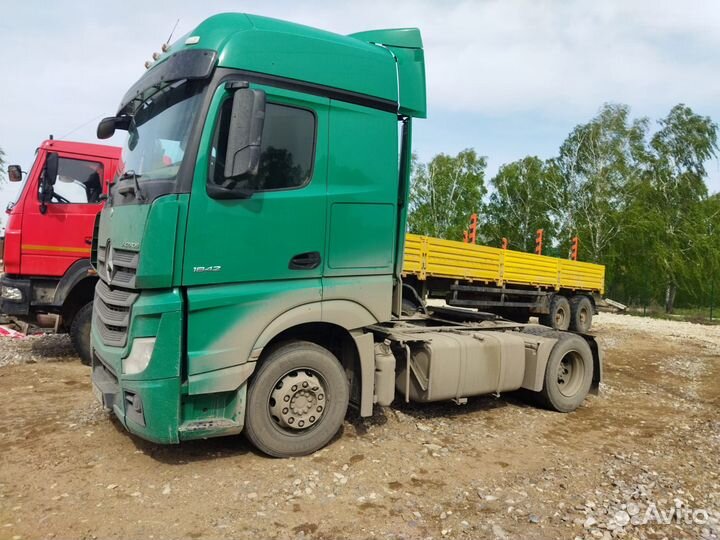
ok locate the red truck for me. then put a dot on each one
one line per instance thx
(48, 236)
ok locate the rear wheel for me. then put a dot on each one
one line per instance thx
(80, 332)
(581, 312)
(297, 400)
(559, 316)
(568, 374)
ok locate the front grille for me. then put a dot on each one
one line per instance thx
(124, 266)
(111, 313)
(100, 363)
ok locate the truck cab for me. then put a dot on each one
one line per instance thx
(250, 254)
(49, 235)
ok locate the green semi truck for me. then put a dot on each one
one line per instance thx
(250, 250)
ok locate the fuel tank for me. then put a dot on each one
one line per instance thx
(447, 365)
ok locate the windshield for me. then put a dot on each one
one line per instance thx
(159, 131)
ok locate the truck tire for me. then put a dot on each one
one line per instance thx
(80, 332)
(581, 312)
(568, 374)
(297, 400)
(559, 316)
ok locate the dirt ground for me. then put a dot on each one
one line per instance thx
(642, 460)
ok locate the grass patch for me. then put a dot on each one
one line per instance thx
(699, 315)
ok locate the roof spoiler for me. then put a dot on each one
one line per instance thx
(406, 45)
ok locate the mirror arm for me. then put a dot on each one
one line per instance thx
(231, 86)
(220, 192)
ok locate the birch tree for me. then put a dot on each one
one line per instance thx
(599, 164)
(675, 192)
(519, 205)
(445, 192)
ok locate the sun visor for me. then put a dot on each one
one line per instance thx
(186, 64)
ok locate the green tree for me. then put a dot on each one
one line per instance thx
(675, 193)
(518, 205)
(702, 253)
(599, 165)
(445, 192)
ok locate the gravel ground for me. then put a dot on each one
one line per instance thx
(639, 461)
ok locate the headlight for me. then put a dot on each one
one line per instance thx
(11, 293)
(139, 357)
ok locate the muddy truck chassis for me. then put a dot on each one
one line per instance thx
(209, 319)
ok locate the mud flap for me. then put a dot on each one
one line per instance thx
(597, 354)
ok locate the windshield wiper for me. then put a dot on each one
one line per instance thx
(135, 188)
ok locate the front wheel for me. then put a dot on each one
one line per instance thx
(297, 400)
(568, 374)
(80, 332)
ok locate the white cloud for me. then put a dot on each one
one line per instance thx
(66, 64)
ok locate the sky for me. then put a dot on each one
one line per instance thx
(509, 78)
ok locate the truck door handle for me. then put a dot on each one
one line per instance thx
(88, 240)
(305, 261)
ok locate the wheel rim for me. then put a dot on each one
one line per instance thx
(571, 371)
(298, 400)
(560, 316)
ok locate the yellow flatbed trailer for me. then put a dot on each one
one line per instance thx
(562, 292)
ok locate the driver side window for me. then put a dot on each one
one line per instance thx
(288, 145)
(78, 182)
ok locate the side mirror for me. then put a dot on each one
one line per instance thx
(47, 182)
(245, 135)
(14, 173)
(107, 126)
(51, 168)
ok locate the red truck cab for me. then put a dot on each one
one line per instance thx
(49, 232)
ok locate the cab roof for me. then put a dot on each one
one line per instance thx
(373, 63)
(98, 150)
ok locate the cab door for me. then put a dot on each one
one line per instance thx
(278, 233)
(55, 239)
(248, 261)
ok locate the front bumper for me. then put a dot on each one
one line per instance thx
(148, 409)
(146, 403)
(154, 404)
(15, 306)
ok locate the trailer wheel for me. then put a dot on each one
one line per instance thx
(80, 332)
(568, 374)
(297, 400)
(559, 316)
(581, 312)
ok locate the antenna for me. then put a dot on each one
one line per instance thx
(165, 45)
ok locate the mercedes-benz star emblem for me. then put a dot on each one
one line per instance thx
(109, 260)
